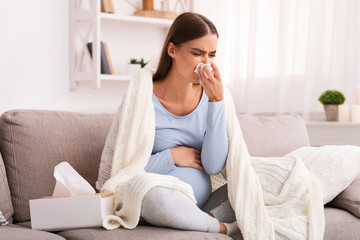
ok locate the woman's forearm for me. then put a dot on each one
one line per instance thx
(215, 146)
(161, 162)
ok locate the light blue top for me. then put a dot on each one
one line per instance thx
(203, 129)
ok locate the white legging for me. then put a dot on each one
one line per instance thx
(165, 207)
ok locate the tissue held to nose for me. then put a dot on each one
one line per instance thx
(200, 64)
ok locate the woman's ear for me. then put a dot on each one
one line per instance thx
(171, 49)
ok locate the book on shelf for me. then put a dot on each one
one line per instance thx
(105, 67)
(107, 52)
(107, 6)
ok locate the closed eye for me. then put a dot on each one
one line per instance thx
(199, 54)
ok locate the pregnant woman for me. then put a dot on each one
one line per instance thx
(190, 136)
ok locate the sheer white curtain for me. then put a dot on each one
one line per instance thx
(278, 56)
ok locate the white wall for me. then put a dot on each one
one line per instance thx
(34, 60)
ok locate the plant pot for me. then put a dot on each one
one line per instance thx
(133, 69)
(331, 112)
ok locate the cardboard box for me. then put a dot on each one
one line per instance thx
(56, 214)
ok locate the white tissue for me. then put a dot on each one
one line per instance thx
(198, 66)
(69, 182)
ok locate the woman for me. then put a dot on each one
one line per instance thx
(190, 137)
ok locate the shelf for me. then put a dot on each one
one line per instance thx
(332, 124)
(109, 77)
(333, 133)
(156, 22)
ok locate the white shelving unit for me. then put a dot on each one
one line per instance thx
(108, 77)
(156, 22)
(85, 25)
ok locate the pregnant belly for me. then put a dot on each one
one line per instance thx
(198, 180)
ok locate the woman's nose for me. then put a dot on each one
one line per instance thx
(206, 60)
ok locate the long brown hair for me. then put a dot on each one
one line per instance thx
(186, 27)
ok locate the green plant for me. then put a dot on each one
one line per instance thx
(141, 62)
(332, 97)
(134, 61)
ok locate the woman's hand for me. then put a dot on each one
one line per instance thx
(187, 157)
(212, 84)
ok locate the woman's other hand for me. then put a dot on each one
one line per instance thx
(187, 157)
(211, 82)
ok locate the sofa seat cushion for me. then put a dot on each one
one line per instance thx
(6, 206)
(341, 224)
(33, 142)
(140, 232)
(14, 231)
(349, 199)
(273, 136)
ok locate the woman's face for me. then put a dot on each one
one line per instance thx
(189, 54)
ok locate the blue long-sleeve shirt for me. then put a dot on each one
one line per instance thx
(203, 129)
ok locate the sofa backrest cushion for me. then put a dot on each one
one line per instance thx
(273, 136)
(33, 142)
(6, 206)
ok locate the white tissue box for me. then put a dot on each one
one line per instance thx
(56, 214)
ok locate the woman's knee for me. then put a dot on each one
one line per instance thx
(157, 199)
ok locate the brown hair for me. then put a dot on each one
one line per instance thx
(186, 27)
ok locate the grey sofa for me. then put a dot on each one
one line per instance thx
(32, 142)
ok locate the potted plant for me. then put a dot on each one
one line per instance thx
(331, 99)
(135, 66)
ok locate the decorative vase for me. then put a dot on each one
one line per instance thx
(331, 112)
(133, 69)
(148, 4)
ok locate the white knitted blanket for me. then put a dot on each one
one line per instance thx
(3, 221)
(273, 198)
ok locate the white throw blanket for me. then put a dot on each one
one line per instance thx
(335, 166)
(273, 198)
(3, 221)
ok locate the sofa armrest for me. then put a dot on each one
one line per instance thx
(349, 199)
